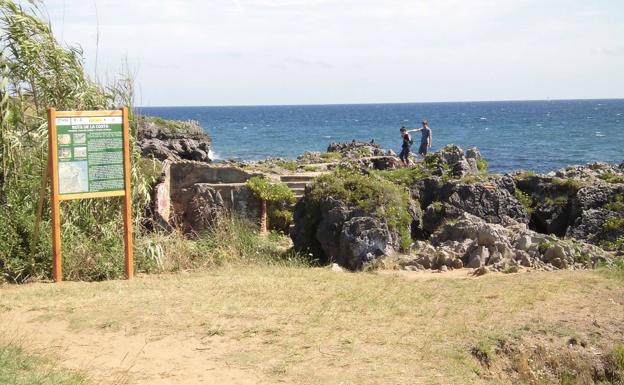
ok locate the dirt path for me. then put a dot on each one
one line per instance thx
(119, 358)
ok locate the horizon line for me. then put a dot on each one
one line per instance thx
(379, 103)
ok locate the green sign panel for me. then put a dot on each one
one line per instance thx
(90, 154)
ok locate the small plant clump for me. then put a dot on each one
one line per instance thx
(612, 177)
(289, 165)
(574, 185)
(616, 204)
(560, 200)
(269, 191)
(331, 156)
(482, 165)
(525, 199)
(613, 224)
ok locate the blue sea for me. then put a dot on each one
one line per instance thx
(529, 135)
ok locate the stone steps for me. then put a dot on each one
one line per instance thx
(298, 182)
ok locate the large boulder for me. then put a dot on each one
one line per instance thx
(173, 140)
(334, 231)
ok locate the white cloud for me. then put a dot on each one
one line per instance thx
(322, 51)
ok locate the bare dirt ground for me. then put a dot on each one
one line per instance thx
(271, 325)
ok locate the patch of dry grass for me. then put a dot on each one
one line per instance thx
(314, 326)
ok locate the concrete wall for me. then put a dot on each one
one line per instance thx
(185, 174)
(197, 191)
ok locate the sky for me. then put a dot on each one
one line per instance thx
(264, 52)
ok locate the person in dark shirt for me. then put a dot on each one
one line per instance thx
(406, 147)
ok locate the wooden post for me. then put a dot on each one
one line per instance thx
(57, 268)
(127, 206)
(264, 218)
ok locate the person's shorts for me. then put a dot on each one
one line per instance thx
(423, 148)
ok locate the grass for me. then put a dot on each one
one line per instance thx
(312, 326)
(17, 367)
(525, 174)
(289, 165)
(175, 126)
(612, 178)
(560, 200)
(406, 176)
(571, 184)
(331, 156)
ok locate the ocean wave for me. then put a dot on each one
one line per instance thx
(213, 155)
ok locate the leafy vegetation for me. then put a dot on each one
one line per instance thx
(560, 200)
(37, 72)
(230, 241)
(406, 176)
(371, 193)
(525, 199)
(482, 165)
(616, 203)
(289, 165)
(613, 224)
(270, 191)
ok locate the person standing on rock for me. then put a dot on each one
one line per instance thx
(406, 147)
(425, 140)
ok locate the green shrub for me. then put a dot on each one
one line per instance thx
(438, 207)
(310, 168)
(544, 246)
(270, 191)
(616, 204)
(482, 165)
(613, 224)
(406, 176)
(289, 165)
(525, 199)
(371, 193)
(560, 200)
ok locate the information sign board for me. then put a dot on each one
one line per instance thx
(89, 157)
(90, 154)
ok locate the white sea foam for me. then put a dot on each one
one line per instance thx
(213, 155)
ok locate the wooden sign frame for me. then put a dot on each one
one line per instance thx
(56, 197)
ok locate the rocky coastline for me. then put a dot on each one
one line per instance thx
(358, 208)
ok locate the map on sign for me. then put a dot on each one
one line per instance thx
(90, 154)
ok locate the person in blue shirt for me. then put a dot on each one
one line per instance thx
(425, 142)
